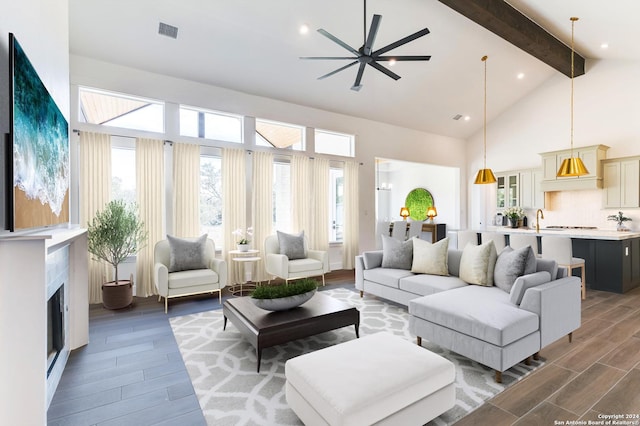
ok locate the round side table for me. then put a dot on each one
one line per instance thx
(242, 261)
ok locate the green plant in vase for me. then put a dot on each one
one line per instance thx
(620, 218)
(514, 214)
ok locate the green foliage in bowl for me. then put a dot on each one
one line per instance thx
(284, 290)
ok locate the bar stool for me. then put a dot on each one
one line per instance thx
(498, 239)
(560, 249)
(517, 241)
(467, 237)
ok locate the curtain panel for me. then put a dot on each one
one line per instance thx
(351, 232)
(186, 190)
(234, 207)
(262, 207)
(300, 194)
(150, 189)
(319, 219)
(95, 193)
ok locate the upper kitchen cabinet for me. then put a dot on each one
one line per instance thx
(591, 157)
(621, 182)
(520, 188)
(508, 190)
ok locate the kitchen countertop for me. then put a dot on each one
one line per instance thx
(595, 234)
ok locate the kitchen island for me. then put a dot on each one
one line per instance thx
(612, 258)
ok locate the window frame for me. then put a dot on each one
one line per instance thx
(202, 130)
(350, 137)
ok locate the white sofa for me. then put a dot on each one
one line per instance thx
(486, 324)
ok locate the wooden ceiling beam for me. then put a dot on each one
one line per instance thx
(502, 19)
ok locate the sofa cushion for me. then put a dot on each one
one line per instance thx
(304, 265)
(525, 282)
(509, 266)
(192, 278)
(396, 254)
(453, 262)
(292, 245)
(549, 265)
(430, 258)
(386, 276)
(481, 312)
(531, 264)
(423, 284)
(372, 259)
(186, 253)
(477, 263)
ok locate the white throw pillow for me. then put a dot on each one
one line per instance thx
(477, 263)
(430, 258)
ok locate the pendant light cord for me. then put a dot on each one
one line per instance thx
(484, 59)
(573, 21)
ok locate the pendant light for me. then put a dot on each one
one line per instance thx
(485, 175)
(572, 166)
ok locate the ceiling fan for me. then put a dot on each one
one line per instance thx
(366, 55)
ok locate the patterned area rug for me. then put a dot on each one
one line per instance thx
(222, 365)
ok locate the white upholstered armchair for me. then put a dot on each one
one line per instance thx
(313, 263)
(192, 272)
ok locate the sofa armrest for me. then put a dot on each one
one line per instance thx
(525, 282)
(372, 259)
(359, 272)
(161, 279)
(277, 264)
(557, 304)
(322, 256)
(219, 266)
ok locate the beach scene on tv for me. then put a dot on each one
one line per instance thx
(40, 151)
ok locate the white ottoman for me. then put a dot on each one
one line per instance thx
(381, 378)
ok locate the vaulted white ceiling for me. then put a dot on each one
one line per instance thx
(254, 46)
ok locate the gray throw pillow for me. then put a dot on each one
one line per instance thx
(509, 266)
(187, 253)
(531, 263)
(291, 245)
(396, 254)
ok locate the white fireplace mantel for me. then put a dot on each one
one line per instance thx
(24, 396)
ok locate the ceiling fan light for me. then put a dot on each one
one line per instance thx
(485, 176)
(572, 166)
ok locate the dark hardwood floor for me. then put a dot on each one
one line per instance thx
(131, 372)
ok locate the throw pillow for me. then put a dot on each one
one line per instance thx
(509, 266)
(531, 264)
(187, 253)
(474, 264)
(291, 245)
(430, 258)
(396, 254)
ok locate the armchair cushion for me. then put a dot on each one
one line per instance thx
(192, 278)
(187, 254)
(291, 245)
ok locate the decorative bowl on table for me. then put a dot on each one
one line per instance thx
(283, 303)
(284, 296)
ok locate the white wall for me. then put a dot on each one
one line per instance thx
(42, 29)
(606, 111)
(374, 139)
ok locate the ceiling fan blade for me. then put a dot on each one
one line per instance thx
(373, 31)
(402, 41)
(327, 57)
(337, 71)
(338, 41)
(383, 70)
(402, 58)
(356, 85)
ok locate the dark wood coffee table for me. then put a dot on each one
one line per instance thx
(264, 329)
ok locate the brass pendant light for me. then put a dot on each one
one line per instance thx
(572, 166)
(485, 175)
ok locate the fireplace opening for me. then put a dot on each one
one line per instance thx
(55, 327)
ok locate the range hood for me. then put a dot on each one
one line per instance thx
(571, 184)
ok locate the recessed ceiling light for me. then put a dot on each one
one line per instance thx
(392, 62)
(304, 29)
(467, 118)
(604, 46)
(520, 75)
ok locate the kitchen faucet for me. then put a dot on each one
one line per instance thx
(539, 215)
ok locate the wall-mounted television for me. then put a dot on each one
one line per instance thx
(38, 158)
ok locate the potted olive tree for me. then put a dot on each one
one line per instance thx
(114, 234)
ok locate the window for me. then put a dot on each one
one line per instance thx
(336, 205)
(334, 143)
(211, 198)
(123, 169)
(199, 123)
(118, 110)
(280, 135)
(281, 196)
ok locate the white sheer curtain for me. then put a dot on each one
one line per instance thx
(186, 190)
(95, 193)
(351, 233)
(300, 194)
(319, 231)
(234, 206)
(150, 189)
(262, 204)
